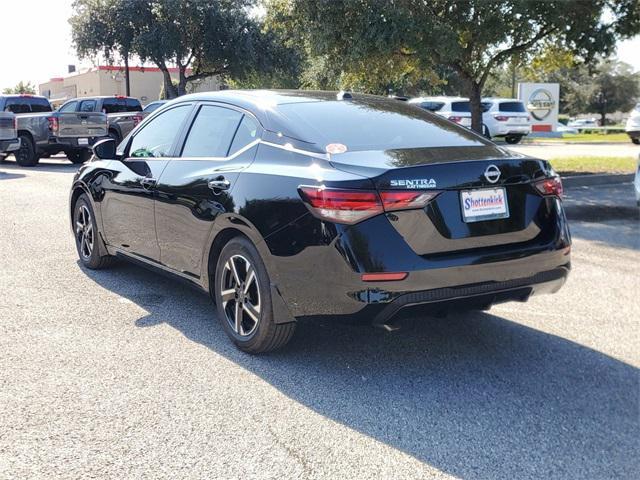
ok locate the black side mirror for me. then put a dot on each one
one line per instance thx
(105, 149)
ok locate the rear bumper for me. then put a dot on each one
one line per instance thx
(511, 130)
(9, 145)
(73, 142)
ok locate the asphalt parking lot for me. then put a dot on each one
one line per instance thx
(124, 374)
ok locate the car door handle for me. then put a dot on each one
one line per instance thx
(148, 182)
(219, 183)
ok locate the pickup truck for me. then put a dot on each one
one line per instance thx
(43, 132)
(9, 140)
(123, 113)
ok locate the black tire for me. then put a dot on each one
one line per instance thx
(78, 156)
(26, 156)
(513, 139)
(636, 141)
(85, 233)
(485, 132)
(113, 134)
(252, 295)
(2, 157)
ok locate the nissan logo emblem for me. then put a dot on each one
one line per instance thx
(492, 174)
(541, 104)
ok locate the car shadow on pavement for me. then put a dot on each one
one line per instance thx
(52, 165)
(473, 395)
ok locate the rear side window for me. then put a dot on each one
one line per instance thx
(517, 107)
(121, 105)
(373, 124)
(460, 107)
(247, 132)
(432, 106)
(211, 132)
(88, 106)
(17, 105)
(152, 107)
(39, 105)
(157, 137)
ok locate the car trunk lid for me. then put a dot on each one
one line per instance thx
(81, 124)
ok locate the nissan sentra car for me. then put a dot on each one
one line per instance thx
(290, 205)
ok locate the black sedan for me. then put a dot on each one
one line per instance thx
(285, 205)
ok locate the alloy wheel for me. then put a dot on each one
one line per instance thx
(240, 295)
(84, 232)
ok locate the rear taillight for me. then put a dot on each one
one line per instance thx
(550, 186)
(136, 120)
(54, 126)
(15, 123)
(353, 206)
(501, 118)
(455, 119)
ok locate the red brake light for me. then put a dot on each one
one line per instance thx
(120, 96)
(353, 206)
(501, 118)
(15, 123)
(383, 277)
(136, 120)
(53, 124)
(550, 186)
(341, 206)
(405, 200)
(455, 119)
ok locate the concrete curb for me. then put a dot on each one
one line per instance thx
(575, 181)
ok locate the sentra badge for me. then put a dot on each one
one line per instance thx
(418, 183)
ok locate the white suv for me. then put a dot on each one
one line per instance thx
(505, 117)
(633, 125)
(455, 109)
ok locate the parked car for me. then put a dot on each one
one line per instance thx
(506, 118)
(632, 126)
(152, 107)
(455, 109)
(9, 141)
(583, 123)
(43, 132)
(319, 207)
(123, 113)
(561, 128)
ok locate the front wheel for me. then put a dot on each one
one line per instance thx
(485, 132)
(86, 235)
(78, 156)
(636, 141)
(513, 139)
(243, 299)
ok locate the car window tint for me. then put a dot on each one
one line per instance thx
(211, 132)
(486, 106)
(460, 107)
(88, 106)
(69, 107)
(372, 124)
(156, 137)
(247, 133)
(133, 105)
(17, 105)
(152, 107)
(40, 105)
(517, 107)
(432, 106)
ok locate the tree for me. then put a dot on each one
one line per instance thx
(471, 37)
(21, 87)
(105, 27)
(613, 87)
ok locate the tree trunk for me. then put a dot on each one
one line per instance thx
(170, 90)
(182, 79)
(475, 96)
(603, 117)
(127, 84)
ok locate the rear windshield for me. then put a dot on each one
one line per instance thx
(26, 104)
(512, 107)
(121, 105)
(373, 124)
(432, 106)
(460, 107)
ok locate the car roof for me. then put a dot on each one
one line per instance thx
(22, 95)
(500, 99)
(439, 98)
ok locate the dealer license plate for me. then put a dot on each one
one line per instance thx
(83, 141)
(484, 204)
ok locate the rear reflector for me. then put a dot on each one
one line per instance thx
(383, 277)
(352, 206)
(550, 186)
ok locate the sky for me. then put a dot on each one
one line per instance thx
(41, 48)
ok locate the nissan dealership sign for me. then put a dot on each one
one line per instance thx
(541, 99)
